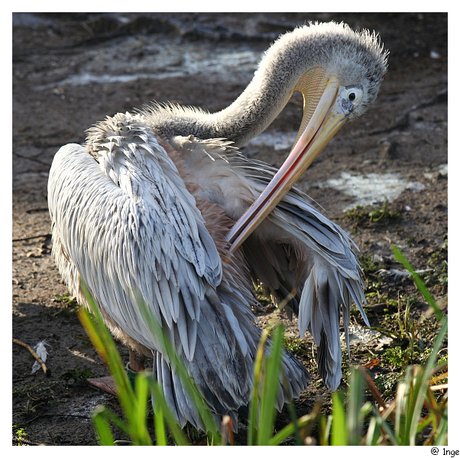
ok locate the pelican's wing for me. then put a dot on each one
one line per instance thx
(127, 224)
(307, 262)
(331, 280)
(131, 228)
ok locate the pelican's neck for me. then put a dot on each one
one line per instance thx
(252, 112)
(348, 55)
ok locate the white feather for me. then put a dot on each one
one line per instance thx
(42, 353)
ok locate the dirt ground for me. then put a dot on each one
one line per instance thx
(405, 132)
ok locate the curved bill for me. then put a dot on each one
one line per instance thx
(325, 122)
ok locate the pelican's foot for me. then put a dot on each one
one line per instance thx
(135, 365)
(106, 384)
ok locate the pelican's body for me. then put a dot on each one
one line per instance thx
(162, 204)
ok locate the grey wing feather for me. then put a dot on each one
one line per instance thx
(132, 233)
(332, 282)
(313, 257)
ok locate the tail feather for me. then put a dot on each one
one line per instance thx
(222, 366)
(325, 295)
(292, 381)
(329, 367)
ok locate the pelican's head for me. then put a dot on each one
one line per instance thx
(339, 73)
(335, 54)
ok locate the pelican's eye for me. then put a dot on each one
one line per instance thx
(349, 99)
(353, 94)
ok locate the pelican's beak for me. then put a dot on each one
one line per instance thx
(325, 121)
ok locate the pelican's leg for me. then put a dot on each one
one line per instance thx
(136, 361)
(135, 365)
(107, 384)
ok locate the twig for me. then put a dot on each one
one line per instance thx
(377, 396)
(22, 239)
(439, 377)
(45, 370)
(445, 386)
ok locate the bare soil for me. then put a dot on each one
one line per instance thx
(404, 132)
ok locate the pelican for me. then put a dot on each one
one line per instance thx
(160, 202)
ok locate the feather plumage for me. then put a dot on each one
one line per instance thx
(144, 207)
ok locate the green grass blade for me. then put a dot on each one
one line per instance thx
(159, 421)
(373, 433)
(158, 416)
(134, 411)
(324, 429)
(295, 422)
(105, 346)
(401, 409)
(416, 387)
(161, 404)
(179, 367)
(339, 425)
(441, 437)
(291, 428)
(102, 427)
(385, 427)
(421, 385)
(411, 393)
(418, 281)
(254, 403)
(271, 387)
(355, 401)
(140, 412)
